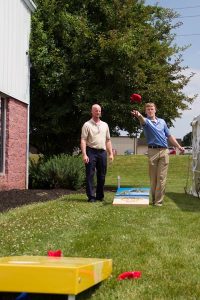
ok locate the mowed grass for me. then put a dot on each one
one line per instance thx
(161, 242)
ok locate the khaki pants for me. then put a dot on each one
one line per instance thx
(158, 166)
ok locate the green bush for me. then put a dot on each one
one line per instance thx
(36, 176)
(61, 171)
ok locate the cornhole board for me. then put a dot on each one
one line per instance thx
(52, 275)
(132, 196)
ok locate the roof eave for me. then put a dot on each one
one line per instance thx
(30, 4)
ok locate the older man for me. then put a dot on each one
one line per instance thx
(95, 142)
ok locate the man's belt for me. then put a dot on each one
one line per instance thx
(95, 149)
(156, 147)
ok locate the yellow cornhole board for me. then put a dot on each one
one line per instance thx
(52, 275)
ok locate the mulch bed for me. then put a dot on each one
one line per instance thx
(15, 198)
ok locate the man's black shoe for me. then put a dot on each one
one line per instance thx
(100, 199)
(92, 200)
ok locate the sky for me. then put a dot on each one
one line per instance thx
(188, 33)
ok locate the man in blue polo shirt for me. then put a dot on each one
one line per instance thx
(157, 135)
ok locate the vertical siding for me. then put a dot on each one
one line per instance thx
(14, 43)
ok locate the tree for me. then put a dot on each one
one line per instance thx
(85, 52)
(187, 139)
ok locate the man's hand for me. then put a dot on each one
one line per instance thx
(181, 149)
(85, 159)
(136, 113)
(111, 157)
(174, 142)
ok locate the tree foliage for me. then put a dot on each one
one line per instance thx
(187, 139)
(87, 51)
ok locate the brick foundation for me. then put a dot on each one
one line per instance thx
(14, 176)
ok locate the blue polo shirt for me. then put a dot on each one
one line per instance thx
(156, 133)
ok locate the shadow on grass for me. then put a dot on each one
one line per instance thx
(84, 200)
(185, 202)
(82, 296)
(113, 188)
(13, 296)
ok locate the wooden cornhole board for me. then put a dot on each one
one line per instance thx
(131, 196)
(52, 275)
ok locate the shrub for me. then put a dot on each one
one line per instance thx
(61, 171)
(36, 178)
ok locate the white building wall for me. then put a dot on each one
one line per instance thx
(15, 23)
(142, 149)
(123, 143)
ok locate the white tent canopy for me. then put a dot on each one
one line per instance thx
(195, 189)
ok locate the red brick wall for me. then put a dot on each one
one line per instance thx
(14, 176)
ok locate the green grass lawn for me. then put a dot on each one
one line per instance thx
(162, 242)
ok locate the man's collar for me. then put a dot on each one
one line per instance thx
(155, 120)
(94, 121)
